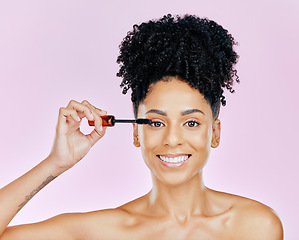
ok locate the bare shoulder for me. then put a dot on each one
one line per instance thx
(104, 224)
(254, 220)
(107, 224)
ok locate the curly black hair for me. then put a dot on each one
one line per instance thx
(195, 50)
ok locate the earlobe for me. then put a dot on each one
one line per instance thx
(136, 142)
(135, 135)
(216, 133)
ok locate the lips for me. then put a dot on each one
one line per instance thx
(174, 161)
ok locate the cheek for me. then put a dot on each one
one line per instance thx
(150, 139)
(149, 142)
(201, 140)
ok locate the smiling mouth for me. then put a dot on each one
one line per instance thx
(177, 159)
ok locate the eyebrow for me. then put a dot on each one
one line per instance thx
(160, 112)
(189, 111)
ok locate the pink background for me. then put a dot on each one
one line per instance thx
(54, 51)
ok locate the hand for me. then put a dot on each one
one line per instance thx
(70, 144)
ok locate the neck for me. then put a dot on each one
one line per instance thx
(180, 201)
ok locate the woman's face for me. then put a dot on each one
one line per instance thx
(177, 145)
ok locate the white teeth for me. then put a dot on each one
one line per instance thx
(174, 160)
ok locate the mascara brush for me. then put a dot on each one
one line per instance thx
(109, 121)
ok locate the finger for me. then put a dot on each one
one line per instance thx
(99, 131)
(67, 118)
(101, 112)
(68, 114)
(85, 102)
(97, 113)
(72, 114)
(96, 135)
(98, 110)
(83, 110)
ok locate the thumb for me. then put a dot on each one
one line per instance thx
(96, 135)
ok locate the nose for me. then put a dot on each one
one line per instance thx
(173, 136)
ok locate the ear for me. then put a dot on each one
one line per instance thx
(216, 133)
(135, 135)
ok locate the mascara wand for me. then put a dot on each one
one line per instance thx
(109, 121)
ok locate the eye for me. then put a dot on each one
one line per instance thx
(157, 124)
(192, 124)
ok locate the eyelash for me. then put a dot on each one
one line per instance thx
(193, 122)
(155, 122)
(187, 123)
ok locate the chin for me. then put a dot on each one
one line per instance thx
(176, 179)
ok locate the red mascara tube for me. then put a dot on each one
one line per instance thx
(109, 121)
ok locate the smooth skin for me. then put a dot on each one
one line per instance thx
(179, 206)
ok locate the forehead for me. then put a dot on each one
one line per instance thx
(173, 96)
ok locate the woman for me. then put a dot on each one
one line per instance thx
(177, 69)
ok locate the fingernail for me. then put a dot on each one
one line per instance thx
(101, 128)
(79, 119)
(92, 116)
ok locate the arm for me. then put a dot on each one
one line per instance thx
(70, 146)
(66, 226)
